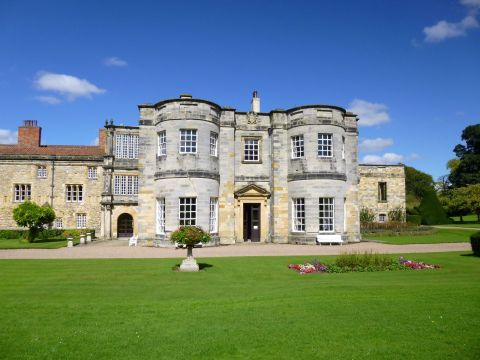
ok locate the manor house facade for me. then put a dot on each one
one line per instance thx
(282, 176)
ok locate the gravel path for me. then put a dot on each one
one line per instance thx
(113, 249)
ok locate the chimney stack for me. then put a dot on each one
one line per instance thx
(29, 134)
(255, 102)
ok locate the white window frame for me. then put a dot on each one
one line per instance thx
(382, 218)
(325, 145)
(58, 223)
(92, 172)
(213, 143)
(343, 147)
(298, 147)
(74, 193)
(188, 141)
(81, 221)
(251, 150)
(162, 143)
(126, 146)
(41, 172)
(160, 216)
(187, 211)
(213, 218)
(298, 214)
(125, 185)
(326, 215)
(22, 192)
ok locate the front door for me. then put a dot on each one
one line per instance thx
(251, 222)
(125, 225)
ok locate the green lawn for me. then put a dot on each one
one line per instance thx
(439, 236)
(37, 244)
(237, 308)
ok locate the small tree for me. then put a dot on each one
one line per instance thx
(189, 236)
(33, 216)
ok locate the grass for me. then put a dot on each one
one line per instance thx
(237, 308)
(440, 235)
(37, 244)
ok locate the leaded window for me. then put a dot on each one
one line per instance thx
(298, 212)
(213, 143)
(187, 211)
(161, 216)
(22, 192)
(58, 223)
(74, 193)
(326, 215)
(126, 146)
(125, 185)
(81, 221)
(298, 150)
(188, 141)
(41, 171)
(325, 145)
(92, 172)
(251, 150)
(162, 143)
(213, 223)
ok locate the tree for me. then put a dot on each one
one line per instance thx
(33, 216)
(467, 171)
(473, 195)
(417, 184)
(189, 236)
(455, 202)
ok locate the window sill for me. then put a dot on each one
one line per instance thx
(251, 162)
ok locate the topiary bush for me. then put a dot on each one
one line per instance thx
(431, 210)
(475, 242)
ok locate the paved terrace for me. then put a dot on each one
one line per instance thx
(119, 250)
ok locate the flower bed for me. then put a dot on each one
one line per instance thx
(317, 267)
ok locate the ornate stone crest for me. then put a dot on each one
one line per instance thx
(252, 118)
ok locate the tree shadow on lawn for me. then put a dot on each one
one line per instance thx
(470, 254)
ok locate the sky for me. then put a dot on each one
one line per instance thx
(408, 68)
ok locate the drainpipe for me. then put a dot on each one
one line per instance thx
(272, 192)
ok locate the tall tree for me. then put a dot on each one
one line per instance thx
(467, 171)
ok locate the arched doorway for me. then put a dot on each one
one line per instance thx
(125, 225)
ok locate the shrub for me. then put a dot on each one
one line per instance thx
(190, 235)
(367, 216)
(432, 211)
(475, 242)
(50, 234)
(396, 215)
(13, 234)
(33, 216)
(414, 219)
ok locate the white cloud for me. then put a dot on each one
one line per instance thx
(378, 144)
(388, 159)
(115, 61)
(8, 137)
(94, 142)
(444, 30)
(67, 85)
(52, 100)
(473, 3)
(370, 114)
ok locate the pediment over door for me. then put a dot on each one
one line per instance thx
(252, 190)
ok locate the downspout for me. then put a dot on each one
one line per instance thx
(272, 191)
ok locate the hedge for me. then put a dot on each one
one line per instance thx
(46, 233)
(475, 241)
(13, 234)
(414, 219)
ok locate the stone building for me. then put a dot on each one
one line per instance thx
(279, 176)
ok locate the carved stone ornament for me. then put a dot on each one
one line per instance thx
(252, 118)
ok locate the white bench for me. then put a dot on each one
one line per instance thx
(329, 238)
(133, 241)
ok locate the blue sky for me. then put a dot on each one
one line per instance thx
(409, 68)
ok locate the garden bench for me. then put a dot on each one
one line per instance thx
(329, 238)
(133, 241)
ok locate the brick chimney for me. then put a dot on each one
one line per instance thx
(29, 134)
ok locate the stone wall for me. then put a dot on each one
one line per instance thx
(370, 177)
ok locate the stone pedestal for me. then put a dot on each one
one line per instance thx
(89, 237)
(82, 239)
(189, 265)
(69, 242)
